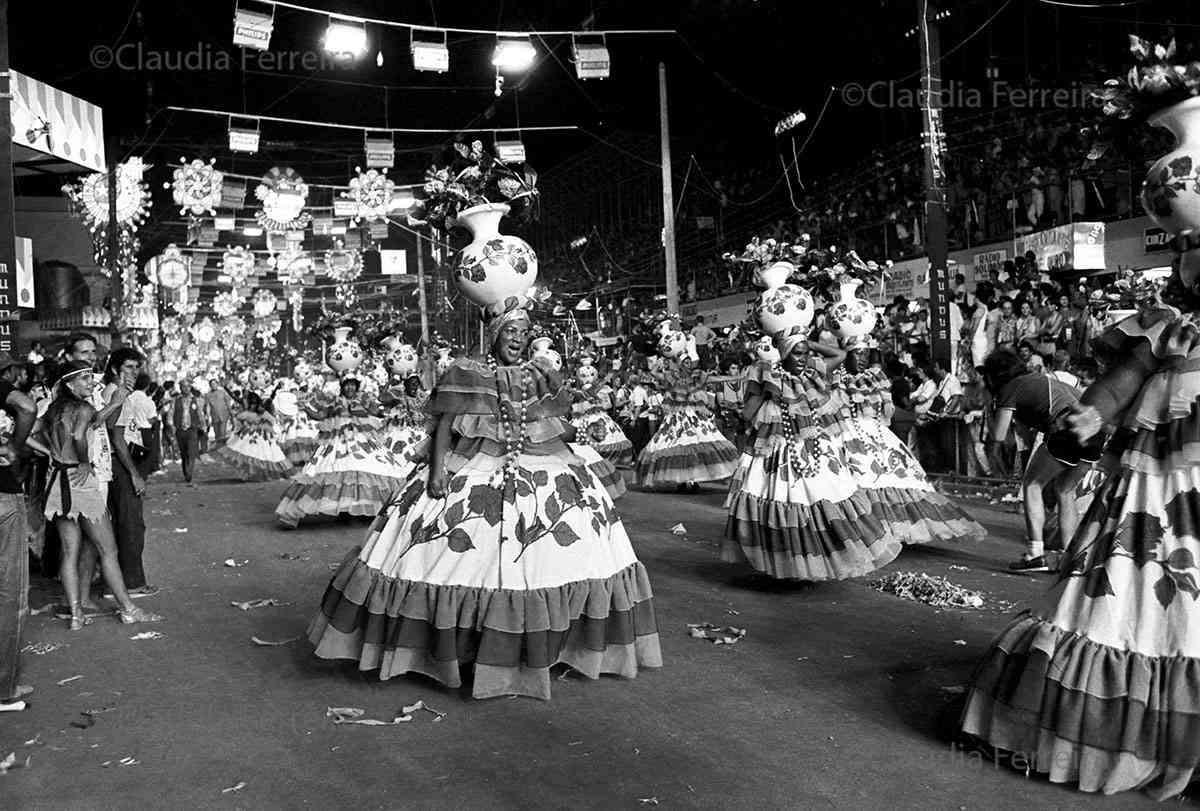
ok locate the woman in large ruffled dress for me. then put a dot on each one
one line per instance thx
(352, 472)
(886, 470)
(297, 435)
(504, 554)
(596, 428)
(405, 431)
(687, 448)
(795, 510)
(253, 450)
(1099, 684)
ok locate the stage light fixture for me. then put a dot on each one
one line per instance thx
(345, 36)
(513, 54)
(430, 54)
(243, 139)
(252, 29)
(510, 150)
(592, 59)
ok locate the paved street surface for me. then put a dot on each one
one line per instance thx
(837, 697)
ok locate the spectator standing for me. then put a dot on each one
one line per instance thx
(18, 409)
(127, 487)
(220, 411)
(1006, 327)
(704, 337)
(187, 422)
(1027, 327)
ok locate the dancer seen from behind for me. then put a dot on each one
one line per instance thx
(1099, 684)
(352, 472)
(593, 424)
(504, 553)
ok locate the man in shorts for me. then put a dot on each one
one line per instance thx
(1039, 404)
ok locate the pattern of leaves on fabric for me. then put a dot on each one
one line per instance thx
(486, 501)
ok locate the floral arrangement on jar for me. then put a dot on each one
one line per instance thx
(475, 177)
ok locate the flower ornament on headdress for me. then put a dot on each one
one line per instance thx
(502, 313)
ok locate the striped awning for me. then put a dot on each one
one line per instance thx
(67, 132)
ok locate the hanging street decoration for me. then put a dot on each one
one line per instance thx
(345, 295)
(263, 302)
(226, 303)
(283, 194)
(372, 192)
(291, 265)
(204, 332)
(174, 269)
(237, 263)
(197, 187)
(89, 199)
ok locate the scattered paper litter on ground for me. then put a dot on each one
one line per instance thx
(272, 644)
(10, 762)
(233, 564)
(679, 529)
(354, 715)
(960, 642)
(290, 556)
(925, 588)
(261, 602)
(180, 530)
(727, 635)
(241, 784)
(420, 705)
(42, 648)
(36, 740)
(648, 800)
(955, 568)
(61, 682)
(148, 635)
(48, 608)
(954, 689)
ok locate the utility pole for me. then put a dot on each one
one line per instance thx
(668, 234)
(116, 292)
(8, 226)
(934, 144)
(421, 302)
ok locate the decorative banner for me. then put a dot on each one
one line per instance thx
(197, 187)
(283, 194)
(24, 274)
(263, 303)
(393, 263)
(984, 263)
(381, 153)
(378, 231)
(173, 269)
(238, 263)
(233, 193)
(60, 124)
(226, 303)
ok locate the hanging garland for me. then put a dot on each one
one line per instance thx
(197, 187)
(238, 263)
(372, 193)
(343, 265)
(283, 194)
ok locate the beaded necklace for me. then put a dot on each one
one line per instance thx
(514, 441)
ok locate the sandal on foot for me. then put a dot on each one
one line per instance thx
(80, 620)
(136, 615)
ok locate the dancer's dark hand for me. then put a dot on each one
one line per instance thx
(437, 485)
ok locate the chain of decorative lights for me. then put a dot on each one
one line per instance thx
(343, 265)
(283, 193)
(89, 199)
(372, 193)
(197, 187)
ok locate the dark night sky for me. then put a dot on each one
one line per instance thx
(739, 66)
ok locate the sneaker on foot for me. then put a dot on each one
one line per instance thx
(1028, 564)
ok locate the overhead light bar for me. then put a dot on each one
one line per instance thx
(252, 29)
(243, 139)
(513, 53)
(591, 58)
(402, 199)
(345, 36)
(511, 149)
(429, 54)
(380, 151)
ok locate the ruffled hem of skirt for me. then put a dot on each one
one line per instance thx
(823, 541)
(510, 638)
(334, 494)
(1108, 719)
(690, 463)
(253, 469)
(921, 516)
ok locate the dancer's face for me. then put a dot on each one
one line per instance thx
(510, 343)
(858, 359)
